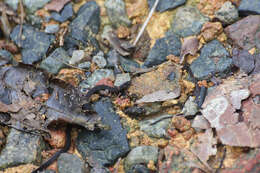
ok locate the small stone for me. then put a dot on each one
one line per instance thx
(33, 5)
(200, 122)
(65, 14)
(84, 65)
(13, 4)
(227, 14)
(51, 29)
(141, 155)
(21, 148)
(249, 7)
(77, 56)
(243, 60)
(163, 47)
(116, 12)
(34, 43)
(188, 21)
(98, 75)
(211, 30)
(190, 107)
(156, 127)
(54, 62)
(68, 163)
(6, 57)
(122, 78)
(166, 4)
(99, 60)
(245, 32)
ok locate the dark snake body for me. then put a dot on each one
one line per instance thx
(86, 106)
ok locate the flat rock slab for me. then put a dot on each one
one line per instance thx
(247, 7)
(21, 148)
(214, 58)
(34, 43)
(246, 32)
(106, 146)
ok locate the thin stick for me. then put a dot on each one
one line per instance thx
(22, 18)
(146, 22)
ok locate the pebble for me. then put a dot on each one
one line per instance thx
(64, 15)
(21, 148)
(141, 155)
(227, 14)
(98, 75)
(51, 29)
(188, 21)
(68, 163)
(249, 7)
(116, 12)
(122, 78)
(163, 47)
(104, 147)
(100, 60)
(54, 62)
(77, 56)
(166, 4)
(84, 65)
(34, 43)
(190, 107)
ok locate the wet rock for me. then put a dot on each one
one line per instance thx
(248, 7)
(156, 127)
(100, 60)
(21, 148)
(84, 28)
(214, 58)
(98, 75)
(54, 62)
(117, 13)
(257, 64)
(104, 147)
(243, 60)
(245, 32)
(166, 4)
(114, 60)
(188, 21)
(77, 56)
(68, 163)
(163, 47)
(122, 78)
(51, 29)
(190, 107)
(34, 43)
(141, 155)
(64, 15)
(33, 5)
(227, 14)
(6, 57)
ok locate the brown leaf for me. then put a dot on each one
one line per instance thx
(56, 5)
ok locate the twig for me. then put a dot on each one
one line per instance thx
(22, 18)
(146, 22)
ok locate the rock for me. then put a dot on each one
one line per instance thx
(166, 4)
(248, 7)
(116, 12)
(77, 56)
(200, 122)
(100, 170)
(64, 15)
(188, 21)
(84, 65)
(99, 60)
(163, 47)
(214, 59)
(211, 30)
(84, 28)
(103, 147)
(13, 4)
(257, 64)
(134, 111)
(34, 43)
(6, 57)
(245, 32)
(141, 155)
(33, 5)
(21, 148)
(68, 163)
(54, 62)
(138, 168)
(51, 29)
(156, 127)
(122, 78)
(190, 107)
(227, 14)
(98, 75)
(243, 60)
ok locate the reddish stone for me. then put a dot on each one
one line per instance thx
(211, 30)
